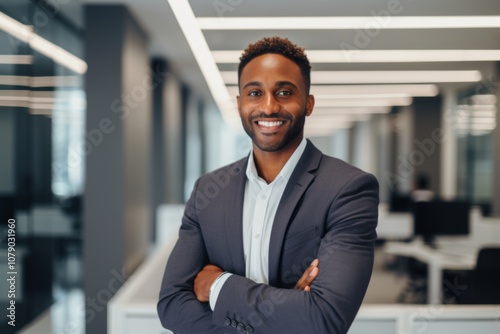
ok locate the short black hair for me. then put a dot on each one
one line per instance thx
(281, 46)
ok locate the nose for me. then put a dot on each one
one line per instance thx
(270, 104)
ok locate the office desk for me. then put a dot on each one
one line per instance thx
(453, 253)
(445, 257)
(394, 225)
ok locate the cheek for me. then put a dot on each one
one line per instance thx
(246, 110)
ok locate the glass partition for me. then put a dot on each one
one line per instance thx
(474, 122)
(42, 123)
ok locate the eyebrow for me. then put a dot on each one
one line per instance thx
(286, 83)
(279, 84)
(252, 83)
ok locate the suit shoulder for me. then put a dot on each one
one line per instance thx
(232, 169)
(341, 171)
(336, 165)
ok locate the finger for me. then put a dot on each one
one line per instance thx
(307, 289)
(211, 267)
(309, 275)
(312, 276)
(301, 282)
(313, 265)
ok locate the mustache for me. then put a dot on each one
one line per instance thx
(271, 116)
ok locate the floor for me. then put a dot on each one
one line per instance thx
(66, 316)
(388, 280)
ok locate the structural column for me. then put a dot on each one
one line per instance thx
(496, 153)
(117, 205)
(425, 157)
(448, 174)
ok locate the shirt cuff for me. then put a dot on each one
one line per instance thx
(216, 287)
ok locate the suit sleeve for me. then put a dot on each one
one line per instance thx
(346, 261)
(178, 308)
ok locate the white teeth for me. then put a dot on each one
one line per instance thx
(270, 124)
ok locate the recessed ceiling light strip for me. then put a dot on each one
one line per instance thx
(406, 101)
(348, 22)
(39, 82)
(25, 34)
(378, 56)
(378, 77)
(194, 36)
(16, 59)
(324, 111)
(409, 89)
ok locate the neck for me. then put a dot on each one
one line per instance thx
(270, 164)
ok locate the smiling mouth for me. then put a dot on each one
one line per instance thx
(268, 124)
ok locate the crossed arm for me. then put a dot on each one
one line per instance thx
(327, 303)
(210, 272)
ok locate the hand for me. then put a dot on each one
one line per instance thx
(204, 280)
(308, 276)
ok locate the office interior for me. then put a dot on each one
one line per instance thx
(111, 109)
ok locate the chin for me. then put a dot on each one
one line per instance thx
(274, 146)
(269, 147)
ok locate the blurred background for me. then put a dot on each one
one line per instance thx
(110, 111)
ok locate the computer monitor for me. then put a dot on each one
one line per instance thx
(450, 218)
(400, 202)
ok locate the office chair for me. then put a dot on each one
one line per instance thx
(484, 287)
(415, 290)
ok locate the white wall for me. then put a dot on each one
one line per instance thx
(365, 148)
(193, 145)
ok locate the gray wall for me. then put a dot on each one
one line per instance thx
(41, 141)
(194, 144)
(160, 68)
(117, 212)
(7, 157)
(173, 126)
(496, 154)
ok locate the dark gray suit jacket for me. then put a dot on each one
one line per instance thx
(328, 211)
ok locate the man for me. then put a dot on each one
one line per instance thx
(281, 241)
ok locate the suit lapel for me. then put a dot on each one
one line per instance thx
(234, 216)
(299, 181)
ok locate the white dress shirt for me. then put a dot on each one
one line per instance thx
(260, 204)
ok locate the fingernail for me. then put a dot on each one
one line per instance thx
(313, 272)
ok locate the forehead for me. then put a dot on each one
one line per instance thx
(271, 67)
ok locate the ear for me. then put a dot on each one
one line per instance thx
(309, 105)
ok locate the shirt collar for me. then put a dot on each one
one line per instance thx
(285, 172)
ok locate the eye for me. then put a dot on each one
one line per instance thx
(254, 93)
(284, 93)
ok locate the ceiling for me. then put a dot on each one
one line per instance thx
(168, 39)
